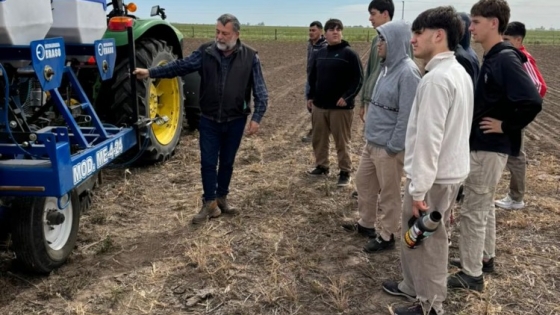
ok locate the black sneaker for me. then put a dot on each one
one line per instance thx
(487, 267)
(379, 244)
(343, 179)
(392, 288)
(319, 170)
(413, 310)
(355, 227)
(461, 280)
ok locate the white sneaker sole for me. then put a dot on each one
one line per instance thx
(510, 206)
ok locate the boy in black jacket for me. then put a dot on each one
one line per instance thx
(505, 102)
(334, 81)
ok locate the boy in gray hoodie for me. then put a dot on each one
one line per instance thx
(381, 163)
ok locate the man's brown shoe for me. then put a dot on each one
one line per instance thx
(226, 207)
(209, 210)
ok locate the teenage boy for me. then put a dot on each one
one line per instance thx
(335, 79)
(381, 163)
(514, 34)
(436, 156)
(315, 42)
(506, 101)
(380, 12)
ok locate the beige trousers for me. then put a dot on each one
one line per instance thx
(378, 182)
(425, 267)
(478, 218)
(337, 122)
(517, 167)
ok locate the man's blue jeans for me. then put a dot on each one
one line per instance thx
(218, 143)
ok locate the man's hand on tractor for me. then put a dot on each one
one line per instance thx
(141, 73)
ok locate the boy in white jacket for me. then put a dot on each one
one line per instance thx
(436, 156)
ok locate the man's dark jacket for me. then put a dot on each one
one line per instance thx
(232, 100)
(312, 50)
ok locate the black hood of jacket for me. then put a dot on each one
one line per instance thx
(505, 46)
(466, 40)
(319, 41)
(341, 45)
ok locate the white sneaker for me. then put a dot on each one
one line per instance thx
(508, 203)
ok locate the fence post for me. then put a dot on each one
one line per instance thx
(367, 39)
(192, 31)
(275, 34)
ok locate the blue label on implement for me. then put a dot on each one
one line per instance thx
(105, 56)
(96, 160)
(48, 57)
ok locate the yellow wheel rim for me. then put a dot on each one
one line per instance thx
(165, 103)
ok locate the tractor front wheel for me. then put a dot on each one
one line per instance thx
(44, 230)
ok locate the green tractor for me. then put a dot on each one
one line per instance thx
(165, 101)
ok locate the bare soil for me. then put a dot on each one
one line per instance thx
(138, 252)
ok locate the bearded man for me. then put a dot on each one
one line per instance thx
(230, 71)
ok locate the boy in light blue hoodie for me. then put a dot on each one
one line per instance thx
(381, 164)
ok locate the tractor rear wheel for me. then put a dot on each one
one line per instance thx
(157, 98)
(41, 241)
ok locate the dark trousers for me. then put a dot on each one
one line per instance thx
(218, 142)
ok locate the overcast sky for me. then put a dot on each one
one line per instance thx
(534, 13)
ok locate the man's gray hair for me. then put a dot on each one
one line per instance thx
(226, 18)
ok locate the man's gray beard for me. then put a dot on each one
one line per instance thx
(225, 47)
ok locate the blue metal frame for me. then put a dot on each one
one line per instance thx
(45, 166)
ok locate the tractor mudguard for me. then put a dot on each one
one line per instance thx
(155, 28)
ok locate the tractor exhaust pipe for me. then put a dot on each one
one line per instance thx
(118, 7)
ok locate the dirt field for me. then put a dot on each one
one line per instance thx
(286, 254)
